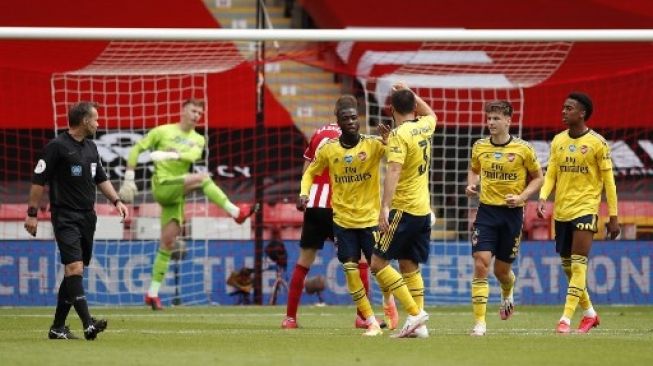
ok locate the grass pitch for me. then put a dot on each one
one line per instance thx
(229, 335)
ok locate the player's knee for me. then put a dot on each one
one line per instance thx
(480, 269)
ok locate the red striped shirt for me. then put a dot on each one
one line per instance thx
(320, 193)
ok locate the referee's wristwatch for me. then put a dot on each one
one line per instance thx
(115, 202)
(32, 212)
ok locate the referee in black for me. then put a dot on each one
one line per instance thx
(70, 164)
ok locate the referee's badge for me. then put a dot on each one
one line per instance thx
(93, 169)
(40, 166)
(76, 170)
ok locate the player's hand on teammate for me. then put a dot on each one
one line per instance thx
(31, 224)
(514, 200)
(302, 201)
(471, 190)
(128, 188)
(384, 132)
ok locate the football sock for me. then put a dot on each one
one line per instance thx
(356, 289)
(415, 284)
(589, 312)
(577, 284)
(391, 281)
(63, 306)
(295, 290)
(75, 289)
(507, 288)
(363, 269)
(585, 302)
(159, 270)
(217, 196)
(480, 293)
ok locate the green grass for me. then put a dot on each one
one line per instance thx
(252, 336)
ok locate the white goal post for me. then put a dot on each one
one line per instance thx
(351, 34)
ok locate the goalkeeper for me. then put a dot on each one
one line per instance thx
(173, 148)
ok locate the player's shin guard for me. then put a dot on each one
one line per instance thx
(577, 284)
(507, 288)
(415, 284)
(159, 270)
(391, 281)
(357, 290)
(584, 302)
(76, 295)
(217, 196)
(480, 293)
(295, 290)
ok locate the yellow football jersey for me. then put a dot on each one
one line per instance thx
(355, 181)
(503, 169)
(575, 165)
(410, 146)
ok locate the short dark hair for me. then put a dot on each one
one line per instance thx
(584, 100)
(403, 101)
(346, 101)
(499, 106)
(193, 101)
(79, 111)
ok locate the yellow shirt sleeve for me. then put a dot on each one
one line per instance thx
(316, 167)
(550, 177)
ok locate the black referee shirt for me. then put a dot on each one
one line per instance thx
(72, 169)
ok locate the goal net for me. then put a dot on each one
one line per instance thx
(140, 85)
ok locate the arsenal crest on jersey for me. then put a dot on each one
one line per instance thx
(583, 149)
(511, 157)
(362, 156)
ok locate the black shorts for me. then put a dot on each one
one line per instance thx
(317, 227)
(565, 232)
(407, 238)
(74, 231)
(351, 242)
(498, 229)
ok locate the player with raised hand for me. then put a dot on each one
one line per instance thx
(174, 147)
(405, 215)
(504, 164)
(579, 167)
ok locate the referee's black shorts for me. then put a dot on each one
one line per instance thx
(317, 227)
(74, 231)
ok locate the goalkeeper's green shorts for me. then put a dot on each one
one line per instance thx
(169, 193)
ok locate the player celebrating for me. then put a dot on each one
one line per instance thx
(318, 225)
(579, 167)
(503, 164)
(353, 163)
(405, 215)
(174, 147)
